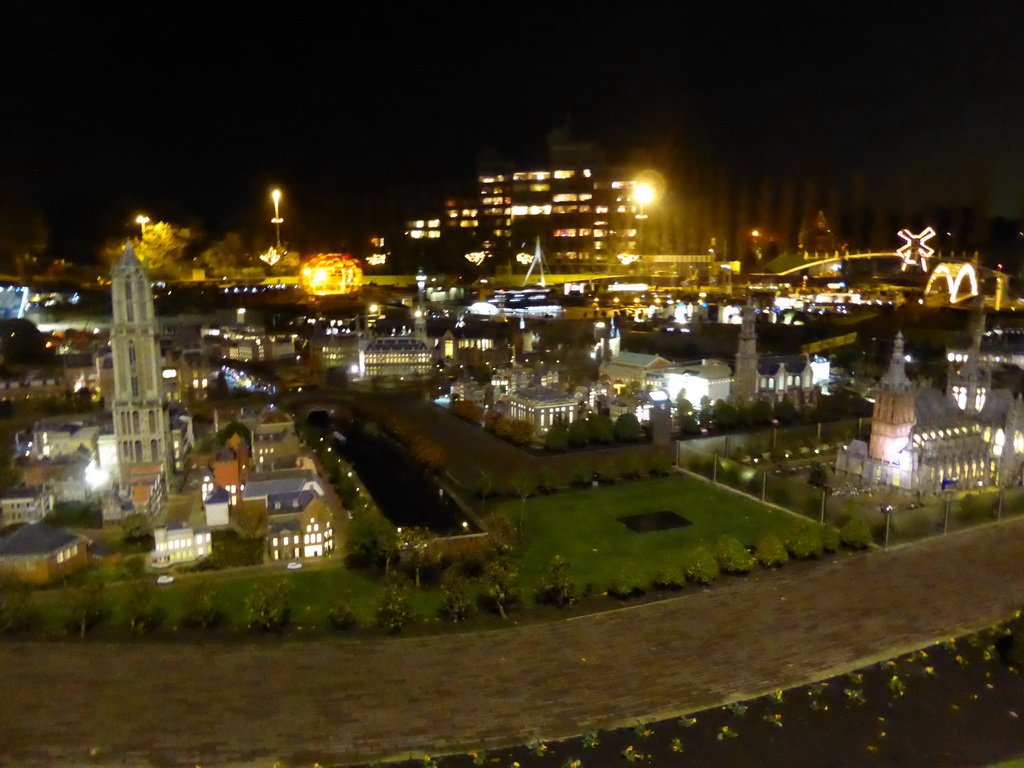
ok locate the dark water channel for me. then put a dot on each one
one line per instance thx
(405, 494)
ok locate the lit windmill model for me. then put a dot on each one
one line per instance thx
(915, 250)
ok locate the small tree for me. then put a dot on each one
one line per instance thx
(420, 549)
(393, 609)
(484, 486)
(525, 486)
(501, 533)
(14, 597)
(202, 606)
(557, 438)
(85, 607)
(455, 602)
(135, 528)
(602, 430)
(558, 587)
(501, 584)
(250, 519)
(267, 607)
(234, 428)
(371, 536)
(856, 534)
(579, 433)
(627, 428)
(818, 476)
(140, 606)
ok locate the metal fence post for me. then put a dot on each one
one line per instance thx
(822, 504)
(945, 517)
(888, 518)
(714, 469)
(764, 485)
(999, 506)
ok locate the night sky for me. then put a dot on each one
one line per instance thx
(196, 115)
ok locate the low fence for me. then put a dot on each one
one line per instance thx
(774, 440)
(895, 517)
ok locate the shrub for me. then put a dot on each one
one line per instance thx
(557, 438)
(579, 433)
(201, 604)
(627, 428)
(582, 475)
(266, 606)
(501, 585)
(634, 467)
(602, 430)
(393, 608)
(660, 463)
(771, 552)
(830, 539)
(547, 480)
(608, 472)
(732, 556)
(804, 542)
(85, 607)
(629, 581)
(856, 534)
(140, 606)
(670, 577)
(455, 603)
(557, 585)
(340, 612)
(701, 566)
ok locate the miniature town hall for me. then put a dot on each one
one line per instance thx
(926, 440)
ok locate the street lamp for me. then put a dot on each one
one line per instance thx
(277, 221)
(142, 221)
(643, 194)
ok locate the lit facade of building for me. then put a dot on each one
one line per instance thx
(396, 357)
(543, 408)
(585, 212)
(179, 544)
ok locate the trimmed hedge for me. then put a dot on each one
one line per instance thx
(701, 566)
(856, 534)
(804, 542)
(732, 556)
(771, 552)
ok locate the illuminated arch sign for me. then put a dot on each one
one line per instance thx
(916, 250)
(955, 275)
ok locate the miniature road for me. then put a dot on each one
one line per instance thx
(351, 700)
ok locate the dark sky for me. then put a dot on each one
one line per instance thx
(199, 113)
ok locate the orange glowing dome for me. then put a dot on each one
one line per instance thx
(327, 274)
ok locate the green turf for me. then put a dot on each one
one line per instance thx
(583, 526)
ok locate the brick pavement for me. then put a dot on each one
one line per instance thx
(355, 699)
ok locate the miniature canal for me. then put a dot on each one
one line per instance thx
(405, 494)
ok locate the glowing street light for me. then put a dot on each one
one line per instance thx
(644, 194)
(142, 221)
(277, 221)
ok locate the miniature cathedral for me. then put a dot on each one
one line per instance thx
(926, 440)
(141, 425)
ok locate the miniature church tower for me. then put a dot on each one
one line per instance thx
(893, 419)
(969, 380)
(141, 426)
(745, 380)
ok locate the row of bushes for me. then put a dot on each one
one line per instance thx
(425, 451)
(526, 483)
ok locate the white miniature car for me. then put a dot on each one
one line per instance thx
(165, 580)
(294, 566)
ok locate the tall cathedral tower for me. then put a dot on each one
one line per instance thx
(893, 419)
(970, 379)
(141, 427)
(744, 389)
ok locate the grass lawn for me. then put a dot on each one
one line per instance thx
(583, 526)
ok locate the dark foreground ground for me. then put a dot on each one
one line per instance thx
(362, 699)
(955, 704)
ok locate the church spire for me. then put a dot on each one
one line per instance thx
(896, 376)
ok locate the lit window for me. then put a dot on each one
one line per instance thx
(564, 174)
(540, 187)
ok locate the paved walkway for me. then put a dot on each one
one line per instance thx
(350, 700)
